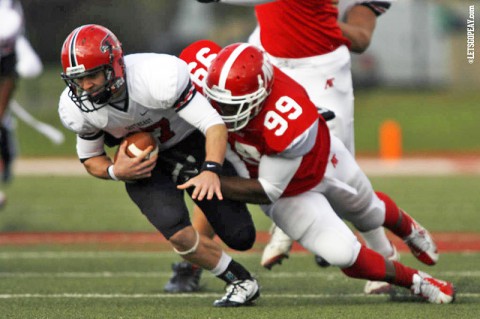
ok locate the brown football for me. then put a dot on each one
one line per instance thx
(138, 142)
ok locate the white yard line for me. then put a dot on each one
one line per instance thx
(160, 274)
(195, 295)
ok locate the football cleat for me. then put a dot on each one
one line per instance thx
(277, 248)
(239, 293)
(421, 244)
(321, 262)
(185, 278)
(433, 290)
(382, 287)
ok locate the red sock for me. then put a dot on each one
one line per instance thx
(403, 275)
(369, 265)
(396, 220)
(373, 266)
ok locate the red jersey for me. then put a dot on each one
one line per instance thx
(286, 115)
(299, 28)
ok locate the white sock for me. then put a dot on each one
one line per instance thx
(222, 264)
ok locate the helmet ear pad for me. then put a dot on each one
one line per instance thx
(241, 76)
(89, 49)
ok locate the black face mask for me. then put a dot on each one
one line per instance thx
(102, 97)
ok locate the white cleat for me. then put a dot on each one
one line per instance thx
(381, 287)
(433, 290)
(239, 293)
(421, 245)
(277, 248)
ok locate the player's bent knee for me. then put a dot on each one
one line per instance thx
(241, 240)
(371, 217)
(337, 249)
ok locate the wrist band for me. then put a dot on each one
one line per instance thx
(212, 167)
(111, 174)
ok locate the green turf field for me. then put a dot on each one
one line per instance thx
(102, 281)
(69, 203)
(58, 283)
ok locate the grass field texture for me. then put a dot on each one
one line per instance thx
(98, 280)
(55, 282)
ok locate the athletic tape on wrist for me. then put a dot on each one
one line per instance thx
(111, 174)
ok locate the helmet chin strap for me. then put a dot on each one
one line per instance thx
(102, 97)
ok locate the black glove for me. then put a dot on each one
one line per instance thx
(180, 166)
(207, 1)
(326, 113)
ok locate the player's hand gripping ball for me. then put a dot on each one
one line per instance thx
(137, 142)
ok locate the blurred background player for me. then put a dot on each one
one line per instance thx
(304, 40)
(17, 58)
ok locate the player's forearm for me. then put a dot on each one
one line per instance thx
(359, 27)
(97, 166)
(216, 143)
(243, 190)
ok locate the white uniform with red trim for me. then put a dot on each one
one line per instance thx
(303, 39)
(162, 102)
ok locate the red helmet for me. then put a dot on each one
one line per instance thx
(87, 50)
(238, 81)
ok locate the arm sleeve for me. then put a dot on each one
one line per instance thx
(90, 140)
(275, 172)
(200, 114)
(90, 146)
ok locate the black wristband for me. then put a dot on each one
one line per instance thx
(212, 167)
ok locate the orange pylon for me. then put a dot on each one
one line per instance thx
(390, 140)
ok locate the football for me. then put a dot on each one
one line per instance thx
(138, 142)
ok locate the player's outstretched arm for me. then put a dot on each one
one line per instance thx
(358, 27)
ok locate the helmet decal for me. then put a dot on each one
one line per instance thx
(228, 64)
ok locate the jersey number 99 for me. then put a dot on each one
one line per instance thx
(276, 120)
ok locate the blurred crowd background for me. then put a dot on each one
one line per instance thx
(415, 71)
(418, 43)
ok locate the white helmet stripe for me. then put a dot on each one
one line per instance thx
(228, 64)
(73, 55)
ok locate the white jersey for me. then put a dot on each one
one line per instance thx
(161, 100)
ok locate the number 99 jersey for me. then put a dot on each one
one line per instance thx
(287, 126)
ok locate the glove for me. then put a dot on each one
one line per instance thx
(208, 1)
(326, 113)
(182, 167)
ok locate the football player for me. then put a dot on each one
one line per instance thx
(314, 52)
(17, 58)
(303, 177)
(109, 96)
